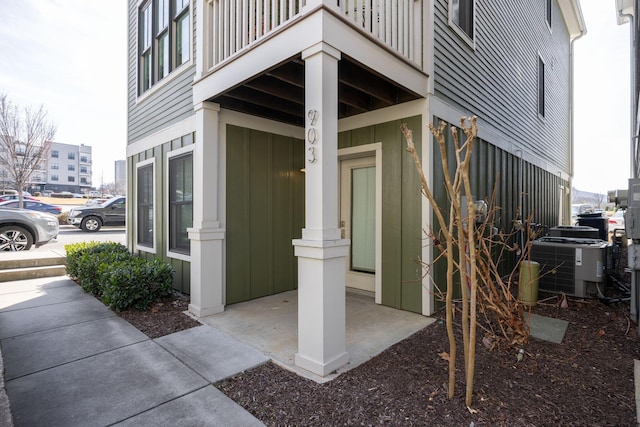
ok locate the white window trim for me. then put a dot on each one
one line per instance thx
(456, 28)
(171, 154)
(141, 247)
(141, 97)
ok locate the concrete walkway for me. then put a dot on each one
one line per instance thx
(70, 361)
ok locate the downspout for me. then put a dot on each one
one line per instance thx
(571, 112)
(632, 85)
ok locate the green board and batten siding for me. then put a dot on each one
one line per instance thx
(491, 166)
(182, 271)
(265, 212)
(401, 211)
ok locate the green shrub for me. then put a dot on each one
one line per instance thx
(135, 283)
(108, 271)
(76, 254)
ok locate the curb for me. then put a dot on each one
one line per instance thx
(5, 409)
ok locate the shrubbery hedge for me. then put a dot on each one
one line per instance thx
(108, 271)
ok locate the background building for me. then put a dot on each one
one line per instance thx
(67, 168)
(120, 176)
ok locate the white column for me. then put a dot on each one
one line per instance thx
(207, 238)
(321, 252)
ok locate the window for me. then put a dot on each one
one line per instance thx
(54, 154)
(164, 43)
(54, 166)
(461, 13)
(71, 155)
(145, 205)
(54, 177)
(71, 167)
(84, 159)
(548, 2)
(83, 169)
(83, 180)
(71, 179)
(540, 87)
(180, 202)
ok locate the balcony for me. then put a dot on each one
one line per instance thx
(238, 26)
(251, 54)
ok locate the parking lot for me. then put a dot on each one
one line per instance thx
(70, 234)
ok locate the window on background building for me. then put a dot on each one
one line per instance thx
(54, 177)
(71, 179)
(180, 202)
(461, 13)
(145, 205)
(54, 166)
(55, 154)
(164, 29)
(71, 167)
(84, 159)
(83, 180)
(71, 156)
(83, 169)
(541, 91)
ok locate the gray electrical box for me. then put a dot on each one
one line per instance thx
(632, 215)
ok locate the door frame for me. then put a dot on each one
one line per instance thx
(370, 150)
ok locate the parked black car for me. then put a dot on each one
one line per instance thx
(92, 218)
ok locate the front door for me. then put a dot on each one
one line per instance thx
(358, 220)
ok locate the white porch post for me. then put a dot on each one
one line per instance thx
(321, 252)
(207, 285)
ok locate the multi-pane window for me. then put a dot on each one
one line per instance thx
(540, 87)
(83, 169)
(145, 205)
(71, 155)
(84, 159)
(54, 154)
(71, 179)
(461, 13)
(54, 166)
(180, 202)
(54, 177)
(83, 180)
(164, 39)
(71, 167)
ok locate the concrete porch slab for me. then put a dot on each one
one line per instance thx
(547, 328)
(210, 353)
(270, 324)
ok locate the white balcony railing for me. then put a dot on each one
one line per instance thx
(236, 24)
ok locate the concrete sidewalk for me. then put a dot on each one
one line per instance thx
(68, 360)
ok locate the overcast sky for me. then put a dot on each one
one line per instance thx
(70, 56)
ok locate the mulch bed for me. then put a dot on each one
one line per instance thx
(165, 317)
(586, 380)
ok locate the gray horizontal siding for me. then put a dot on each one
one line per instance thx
(497, 80)
(169, 104)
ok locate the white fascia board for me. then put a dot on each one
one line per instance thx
(261, 56)
(572, 14)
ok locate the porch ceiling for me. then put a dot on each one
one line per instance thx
(278, 94)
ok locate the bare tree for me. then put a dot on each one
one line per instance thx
(25, 139)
